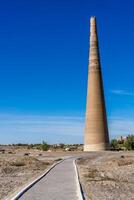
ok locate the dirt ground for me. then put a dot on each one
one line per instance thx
(19, 166)
(107, 175)
(103, 175)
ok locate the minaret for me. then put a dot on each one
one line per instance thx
(96, 131)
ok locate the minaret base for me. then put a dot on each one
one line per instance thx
(96, 147)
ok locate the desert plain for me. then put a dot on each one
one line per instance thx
(103, 175)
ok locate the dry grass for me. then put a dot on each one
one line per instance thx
(125, 161)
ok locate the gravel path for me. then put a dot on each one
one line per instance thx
(59, 184)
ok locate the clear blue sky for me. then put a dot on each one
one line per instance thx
(44, 62)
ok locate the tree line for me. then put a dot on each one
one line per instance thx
(123, 144)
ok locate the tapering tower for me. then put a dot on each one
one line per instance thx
(96, 131)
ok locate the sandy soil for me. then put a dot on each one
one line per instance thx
(107, 175)
(20, 166)
(104, 175)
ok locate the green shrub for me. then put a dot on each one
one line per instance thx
(45, 146)
(129, 144)
(114, 144)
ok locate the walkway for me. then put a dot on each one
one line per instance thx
(59, 184)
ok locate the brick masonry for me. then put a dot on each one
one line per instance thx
(96, 130)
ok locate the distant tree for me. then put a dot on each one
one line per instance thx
(129, 143)
(21, 144)
(114, 144)
(45, 146)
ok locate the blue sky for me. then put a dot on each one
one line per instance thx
(44, 62)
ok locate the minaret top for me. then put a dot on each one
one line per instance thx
(93, 20)
(93, 26)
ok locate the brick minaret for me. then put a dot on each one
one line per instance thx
(96, 131)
